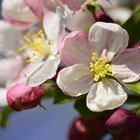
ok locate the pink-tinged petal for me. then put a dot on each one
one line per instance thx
(75, 80)
(109, 38)
(45, 71)
(18, 11)
(3, 100)
(9, 39)
(54, 24)
(17, 23)
(51, 5)
(105, 95)
(127, 65)
(36, 6)
(10, 69)
(75, 48)
(74, 4)
(80, 20)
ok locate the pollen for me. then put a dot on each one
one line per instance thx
(100, 67)
(36, 46)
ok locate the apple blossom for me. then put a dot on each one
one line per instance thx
(97, 64)
(80, 20)
(22, 97)
(17, 13)
(42, 48)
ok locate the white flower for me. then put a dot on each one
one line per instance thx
(17, 13)
(43, 49)
(95, 62)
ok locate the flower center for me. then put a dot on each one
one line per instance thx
(100, 67)
(36, 46)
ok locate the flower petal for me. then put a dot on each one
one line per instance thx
(80, 20)
(109, 38)
(45, 71)
(54, 24)
(73, 4)
(51, 5)
(10, 69)
(9, 39)
(75, 80)
(105, 95)
(36, 6)
(75, 48)
(3, 100)
(127, 66)
(17, 10)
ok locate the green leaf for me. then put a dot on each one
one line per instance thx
(4, 116)
(132, 26)
(80, 106)
(135, 87)
(133, 103)
(61, 98)
(50, 88)
(53, 91)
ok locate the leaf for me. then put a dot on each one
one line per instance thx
(132, 26)
(80, 106)
(133, 103)
(4, 116)
(135, 87)
(50, 87)
(61, 98)
(53, 91)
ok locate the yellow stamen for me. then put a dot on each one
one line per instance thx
(37, 46)
(100, 67)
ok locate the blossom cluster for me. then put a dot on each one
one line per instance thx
(37, 35)
(74, 43)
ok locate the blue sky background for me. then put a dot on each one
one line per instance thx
(39, 124)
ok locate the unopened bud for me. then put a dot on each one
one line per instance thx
(124, 125)
(87, 128)
(102, 17)
(21, 97)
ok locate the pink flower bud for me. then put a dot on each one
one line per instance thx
(124, 125)
(137, 45)
(55, 77)
(22, 97)
(87, 128)
(102, 17)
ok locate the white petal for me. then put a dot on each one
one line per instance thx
(74, 5)
(45, 71)
(75, 48)
(80, 20)
(75, 80)
(127, 65)
(105, 95)
(9, 39)
(54, 24)
(109, 38)
(116, 13)
(3, 100)
(10, 69)
(17, 10)
(51, 5)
